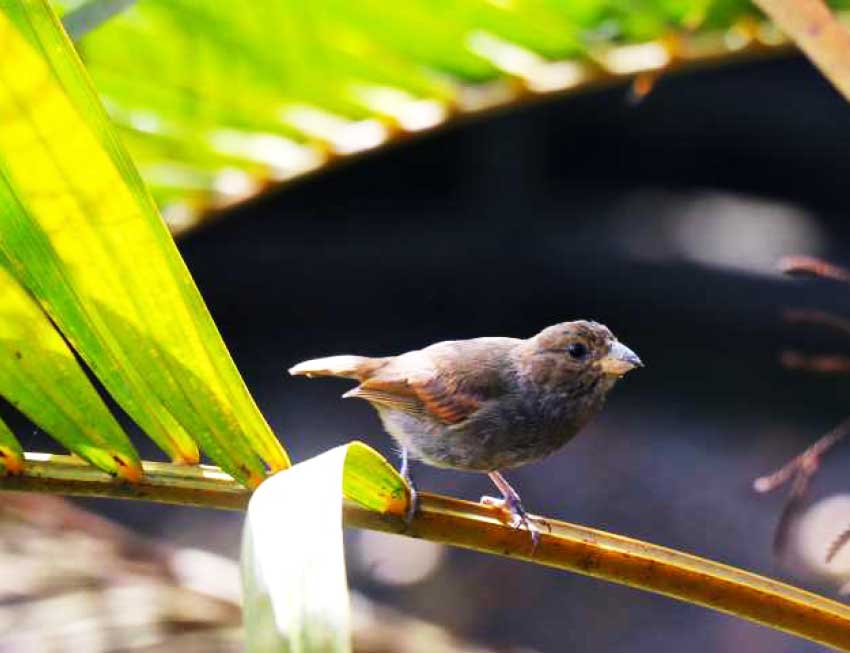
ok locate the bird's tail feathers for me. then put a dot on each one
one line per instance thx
(349, 367)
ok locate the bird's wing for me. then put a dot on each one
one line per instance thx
(447, 402)
(448, 381)
(396, 394)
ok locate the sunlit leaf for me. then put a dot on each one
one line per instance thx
(225, 99)
(11, 454)
(82, 233)
(293, 564)
(40, 377)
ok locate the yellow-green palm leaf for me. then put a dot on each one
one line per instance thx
(218, 100)
(81, 233)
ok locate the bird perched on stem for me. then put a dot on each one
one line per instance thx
(488, 404)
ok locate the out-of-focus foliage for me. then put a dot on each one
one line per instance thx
(75, 223)
(65, 570)
(217, 100)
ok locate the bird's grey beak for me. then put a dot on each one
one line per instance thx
(620, 359)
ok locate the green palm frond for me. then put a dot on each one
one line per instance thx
(77, 224)
(218, 101)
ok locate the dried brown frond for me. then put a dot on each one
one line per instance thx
(817, 318)
(804, 466)
(801, 469)
(805, 463)
(809, 266)
(820, 364)
(838, 544)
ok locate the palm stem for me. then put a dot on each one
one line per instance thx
(818, 33)
(475, 526)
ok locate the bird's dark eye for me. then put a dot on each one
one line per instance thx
(577, 350)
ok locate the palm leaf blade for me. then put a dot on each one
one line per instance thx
(11, 453)
(40, 376)
(293, 562)
(85, 238)
(234, 98)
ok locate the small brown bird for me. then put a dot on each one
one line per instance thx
(488, 404)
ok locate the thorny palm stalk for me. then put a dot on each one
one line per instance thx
(802, 468)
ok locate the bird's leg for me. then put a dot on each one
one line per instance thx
(413, 503)
(513, 504)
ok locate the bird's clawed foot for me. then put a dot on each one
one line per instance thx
(520, 518)
(512, 504)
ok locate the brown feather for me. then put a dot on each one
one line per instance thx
(445, 402)
(389, 394)
(431, 396)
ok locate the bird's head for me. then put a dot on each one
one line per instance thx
(573, 350)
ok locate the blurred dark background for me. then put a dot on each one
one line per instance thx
(663, 219)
